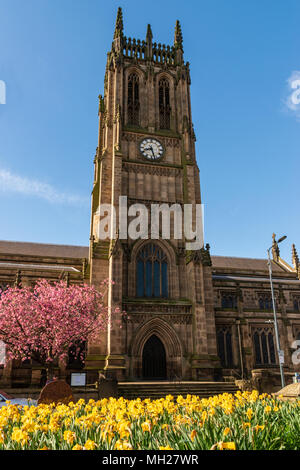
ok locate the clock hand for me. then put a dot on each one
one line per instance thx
(150, 148)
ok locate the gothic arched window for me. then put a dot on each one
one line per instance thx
(164, 104)
(265, 302)
(151, 272)
(224, 344)
(264, 346)
(297, 304)
(228, 300)
(133, 103)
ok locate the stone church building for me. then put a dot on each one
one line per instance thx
(189, 315)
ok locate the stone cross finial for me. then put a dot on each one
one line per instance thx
(119, 24)
(275, 248)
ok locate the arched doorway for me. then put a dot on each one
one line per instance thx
(154, 359)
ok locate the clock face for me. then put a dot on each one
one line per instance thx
(151, 149)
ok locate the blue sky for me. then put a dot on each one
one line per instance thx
(242, 56)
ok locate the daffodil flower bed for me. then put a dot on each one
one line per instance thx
(234, 422)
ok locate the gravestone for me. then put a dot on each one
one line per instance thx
(107, 387)
(57, 391)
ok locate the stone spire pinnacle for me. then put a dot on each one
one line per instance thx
(295, 258)
(149, 37)
(149, 34)
(178, 40)
(119, 24)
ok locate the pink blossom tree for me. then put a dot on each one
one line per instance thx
(44, 322)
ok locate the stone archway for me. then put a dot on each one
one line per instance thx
(170, 348)
(154, 362)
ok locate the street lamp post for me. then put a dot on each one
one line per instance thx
(275, 316)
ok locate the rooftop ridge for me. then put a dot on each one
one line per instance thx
(239, 257)
(42, 243)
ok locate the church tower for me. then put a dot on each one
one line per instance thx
(146, 153)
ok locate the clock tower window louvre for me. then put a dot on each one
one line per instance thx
(164, 104)
(133, 104)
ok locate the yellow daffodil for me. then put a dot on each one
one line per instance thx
(19, 435)
(246, 425)
(90, 445)
(146, 426)
(226, 446)
(123, 445)
(249, 413)
(69, 436)
(259, 428)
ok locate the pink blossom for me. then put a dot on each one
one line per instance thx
(43, 322)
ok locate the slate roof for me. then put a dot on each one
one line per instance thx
(43, 249)
(73, 251)
(245, 264)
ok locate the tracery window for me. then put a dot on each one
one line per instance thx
(164, 104)
(265, 302)
(151, 272)
(264, 349)
(224, 344)
(228, 300)
(296, 303)
(133, 103)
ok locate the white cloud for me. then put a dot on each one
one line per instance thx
(18, 184)
(292, 100)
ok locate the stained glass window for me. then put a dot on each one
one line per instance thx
(229, 300)
(152, 272)
(224, 343)
(264, 346)
(265, 302)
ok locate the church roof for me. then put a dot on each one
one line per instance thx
(43, 249)
(73, 251)
(247, 264)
